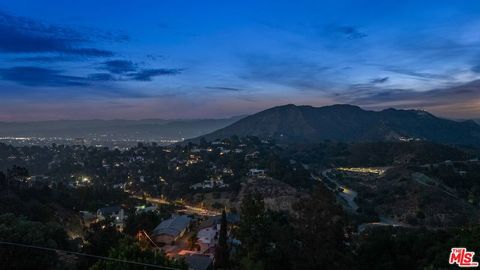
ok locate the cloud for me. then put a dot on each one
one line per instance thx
(41, 77)
(457, 100)
(36, 76)
(347, 31)
(379, 80)
(154, 57)
(119, 66)
(48, 79)
(412, 73)
(224, 88)
(23, 35)
(46, 59)
(476, 68)
(101, 77)
(90, 52)
(148, 74)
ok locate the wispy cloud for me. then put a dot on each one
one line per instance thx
(36, 76)
(347, 31)
(46, 59)
(148, 74)
(379, 80)
(476, 68)
(23, 35)
(118, 66)
(222, 88)
(101, 77)
(463, 96)
(413, 73)
(39, 76)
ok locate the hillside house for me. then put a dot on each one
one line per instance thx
(168, 231)
(116, 213)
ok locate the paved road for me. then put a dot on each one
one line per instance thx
(190, 209)
(384, 221)
(346, 195)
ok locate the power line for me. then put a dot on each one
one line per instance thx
(87, 255)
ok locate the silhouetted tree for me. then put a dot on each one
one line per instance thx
(129, 250)
(3, 180)
(146, 221)
(221, 250)
(320, 233)
(20, 230)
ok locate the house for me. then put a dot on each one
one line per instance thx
(87, 218)
(253, 155)
(207, 237)
(257, 173)
(39, 180)
(170, 230)
(116, 213)
(209, 184)
(196, 186)
(199, 262)
(218, 143)
(208, 233)
(145, 209)
(227, 171)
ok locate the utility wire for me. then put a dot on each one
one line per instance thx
(86, 255)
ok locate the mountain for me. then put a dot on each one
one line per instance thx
(148, 129)
(347, 123)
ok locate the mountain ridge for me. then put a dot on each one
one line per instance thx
(348, 123)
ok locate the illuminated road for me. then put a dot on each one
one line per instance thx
(190, 209)
(346, 194)
(384, 221)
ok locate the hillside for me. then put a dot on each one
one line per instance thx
(347, 123)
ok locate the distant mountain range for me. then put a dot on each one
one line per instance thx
(347, 123)
(147, 130)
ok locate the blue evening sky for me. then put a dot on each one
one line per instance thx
(196, 59)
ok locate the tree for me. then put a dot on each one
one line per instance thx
(3, 180)
(265, 236)
(129, 250)
(146, 221)
(17, 172)
(100, 238)
(320, 233)
(21, 230)
(221, 250)
(192, 241)
(253, 232)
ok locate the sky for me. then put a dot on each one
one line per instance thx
(213, 59)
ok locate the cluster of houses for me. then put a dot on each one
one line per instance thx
(171, 235)
(114, 214)
(209, 184)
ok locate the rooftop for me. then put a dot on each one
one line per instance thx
(173, 226)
